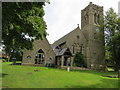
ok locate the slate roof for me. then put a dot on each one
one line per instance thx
(66, 37)
(61, 40)
(60, 52)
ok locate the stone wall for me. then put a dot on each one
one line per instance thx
(37, 45)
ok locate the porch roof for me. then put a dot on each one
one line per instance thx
(60, 52)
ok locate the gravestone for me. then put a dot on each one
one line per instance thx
(68, 69)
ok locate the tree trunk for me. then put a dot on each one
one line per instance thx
(117, 66)
(14, 59)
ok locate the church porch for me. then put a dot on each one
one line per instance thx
(64, 58)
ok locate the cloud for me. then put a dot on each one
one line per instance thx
(62, 16)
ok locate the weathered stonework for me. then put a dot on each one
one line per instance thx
(89, 40)
(29, 56)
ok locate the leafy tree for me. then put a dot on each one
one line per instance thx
(79, 59)
(22, 23)
(112, 30)
(108, 57)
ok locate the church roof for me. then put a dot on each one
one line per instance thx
(60, 52)
(66, 37)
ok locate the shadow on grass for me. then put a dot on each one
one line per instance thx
(119, 83)
(96, 72)
(3, 75)
(16, 64)
(105, 83)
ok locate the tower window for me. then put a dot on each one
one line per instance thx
(95, 18)
(78, 36)
(98, 19)
(95, 36)
(85, 19)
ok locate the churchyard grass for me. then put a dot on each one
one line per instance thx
(18, 76)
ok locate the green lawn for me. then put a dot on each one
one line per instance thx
(16, 76)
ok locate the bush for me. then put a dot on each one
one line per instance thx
(3, 60)
(79, 60)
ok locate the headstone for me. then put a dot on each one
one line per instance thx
(68, 69)
(36, 70)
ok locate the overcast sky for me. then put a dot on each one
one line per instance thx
(62, 16)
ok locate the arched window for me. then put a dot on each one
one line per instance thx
(98, 19)
(78, 47)
(95, 18)
(40, 51)
(87, 18)
(95, 36)
(73, 49)
(81, 48)
(78, 36)
(39, 57)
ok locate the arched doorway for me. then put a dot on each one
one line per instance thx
(40, 57)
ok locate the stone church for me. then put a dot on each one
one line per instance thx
(89, 40)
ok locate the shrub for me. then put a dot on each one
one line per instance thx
(79, 60)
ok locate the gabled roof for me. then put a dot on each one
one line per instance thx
(66, 37)
(60, 52)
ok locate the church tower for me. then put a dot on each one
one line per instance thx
(91, 19)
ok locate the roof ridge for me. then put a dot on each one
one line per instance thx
(83, 34)
(66, 35)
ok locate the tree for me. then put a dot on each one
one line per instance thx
(79, 59)
(22, 23)
(112, 30)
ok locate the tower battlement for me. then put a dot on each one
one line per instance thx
(91, 15)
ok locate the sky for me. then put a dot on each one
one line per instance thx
(62, 16)
(119, 7)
